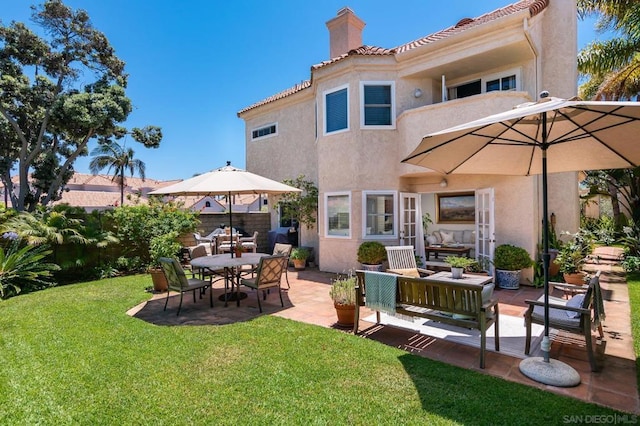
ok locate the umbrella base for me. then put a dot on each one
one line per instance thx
(554, 372)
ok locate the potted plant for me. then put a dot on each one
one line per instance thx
(162, 246)
(572, 256)
(371, 254)
(458, 265)
(343, 294)
(509, 260)
(299, 256)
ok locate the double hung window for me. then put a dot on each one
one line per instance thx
(377, 107)
(338, 214)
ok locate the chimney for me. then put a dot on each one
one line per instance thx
(345, 32)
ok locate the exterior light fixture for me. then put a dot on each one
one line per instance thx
(417, 93)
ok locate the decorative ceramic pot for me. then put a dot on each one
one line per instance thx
(508, 279)
(456, 273)
(346, 314)
(367, 267)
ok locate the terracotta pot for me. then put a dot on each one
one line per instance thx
(346, 314)
(577, 278)
(299, 263)
(160, 283)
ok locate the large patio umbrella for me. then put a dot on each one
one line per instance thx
(551, 135)
(227, 180)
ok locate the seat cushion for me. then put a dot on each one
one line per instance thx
(575, 302)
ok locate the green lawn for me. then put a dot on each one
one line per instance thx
(71, 355)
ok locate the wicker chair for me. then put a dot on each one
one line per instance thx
(402, 261)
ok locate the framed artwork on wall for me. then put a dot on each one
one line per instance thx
(457, 207)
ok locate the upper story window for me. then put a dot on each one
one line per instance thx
(505, 81)
(336, 110)
(380, 214)
(338, 215)
(262, 132)
(376, 103)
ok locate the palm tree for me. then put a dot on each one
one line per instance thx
(114, 156)
(611, 68)
(611, 71)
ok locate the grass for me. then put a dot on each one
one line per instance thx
(71, 355)
(633, 286)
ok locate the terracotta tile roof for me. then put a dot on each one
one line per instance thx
(534, 7)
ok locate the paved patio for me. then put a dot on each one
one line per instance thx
(308, 301)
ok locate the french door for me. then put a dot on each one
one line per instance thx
(485, 228)
(411, 231)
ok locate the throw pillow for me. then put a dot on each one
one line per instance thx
(575, 302)
(438, 237)
(431, 240)
(457, 236)
(447, 238)
(467, 237)
(487, 292)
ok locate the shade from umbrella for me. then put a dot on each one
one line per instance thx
(227, 180)
(551, 135)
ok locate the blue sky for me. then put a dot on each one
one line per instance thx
(194, 64)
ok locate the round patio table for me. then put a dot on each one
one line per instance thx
(231, 266)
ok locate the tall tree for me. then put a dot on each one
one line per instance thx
(611, 68)
(110, 154)
(47, 118)
(611, 71)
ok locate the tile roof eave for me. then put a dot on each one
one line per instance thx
(534, 7)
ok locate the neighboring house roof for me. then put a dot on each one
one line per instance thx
(534, 7)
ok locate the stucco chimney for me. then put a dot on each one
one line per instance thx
(345, 32)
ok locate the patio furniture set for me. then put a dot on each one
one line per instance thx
(258, 271)
(408, 290)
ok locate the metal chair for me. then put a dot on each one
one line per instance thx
(402, 261)
(178, 281)
(284, 250)
(268, 275)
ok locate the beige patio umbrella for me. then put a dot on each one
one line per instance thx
(227, 180)
(551, 135)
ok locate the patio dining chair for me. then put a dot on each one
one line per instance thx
(250, 243)
(178, 281)
(284, 250)
(402, 261)
(268, 275)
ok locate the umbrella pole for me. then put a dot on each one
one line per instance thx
(230, 224)
(543, 369)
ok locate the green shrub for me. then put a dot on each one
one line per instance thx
(299, 253)
(459, 261)
(23, 268)
(371, 253)
(511, 258)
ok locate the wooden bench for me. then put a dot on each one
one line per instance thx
(458, 304)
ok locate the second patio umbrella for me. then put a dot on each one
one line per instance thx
(227, 180)
(552, 135)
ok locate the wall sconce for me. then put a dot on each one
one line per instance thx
(443, 183)
(417, 93)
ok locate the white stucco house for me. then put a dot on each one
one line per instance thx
(366, 108)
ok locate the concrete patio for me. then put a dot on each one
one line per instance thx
(308, 301)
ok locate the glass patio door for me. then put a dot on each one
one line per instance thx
(411, 231)
(485, 228)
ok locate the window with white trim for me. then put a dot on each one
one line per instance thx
(380, 212)
(338, 215)
(377, 108)
(504, 81)
(336, 110)
(263, 132)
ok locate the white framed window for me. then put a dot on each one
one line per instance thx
(337, 214)
(380, 212)
(377, 106)
(336, 110)
(265, 131)
(503, 81)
